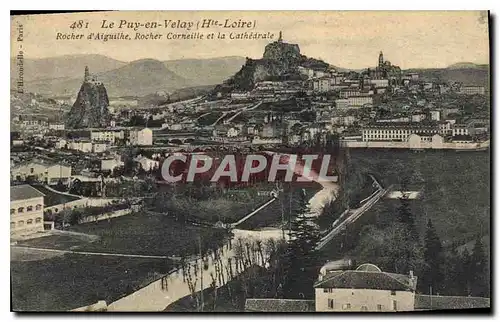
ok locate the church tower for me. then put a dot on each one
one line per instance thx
(87, 74)
(380, 59)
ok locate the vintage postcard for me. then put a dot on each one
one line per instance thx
(243, 161)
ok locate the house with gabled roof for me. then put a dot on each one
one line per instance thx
(366, 288)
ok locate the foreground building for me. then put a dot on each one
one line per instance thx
(26, 210)
(365, 289)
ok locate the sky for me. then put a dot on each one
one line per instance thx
(349, 39)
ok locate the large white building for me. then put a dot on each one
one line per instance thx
(109, 136)
(365, 289)
(395, 131)
(141, 137)
(43, 171)
(26, 210)
(322, 84)
(472, 90)
(459, 129)
(358, 101)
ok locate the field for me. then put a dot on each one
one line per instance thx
(147, 234)
(62, 282)
(66, 282)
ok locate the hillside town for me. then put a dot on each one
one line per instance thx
(86, 170)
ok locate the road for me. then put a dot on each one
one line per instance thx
(155, 297)
(62, 252)
(354, 214)
(246, 108)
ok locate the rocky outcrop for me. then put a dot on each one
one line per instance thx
(90, 108)
(280, 60)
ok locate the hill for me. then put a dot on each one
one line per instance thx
(467, 65)
(279, 61)
(68, 66)
(138, 78)
(63, 75)
(141, 77)
(206, 71)
(478, 75)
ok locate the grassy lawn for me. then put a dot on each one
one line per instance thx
(71, 281)
(147, 234)
(271, 216)
(65, 242)
(52, 198)
(74, 280)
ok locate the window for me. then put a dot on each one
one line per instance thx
(393, 292)
(394, 305)
(12, 211)
(325, 290)
(38, 220)
(379, 307)
(330, 303)
(38, 207)
(20, 209)
(32, 170)
(346, 306)
(20, 223)
(364, 308)
(12, 224)
(29, 208)
(29, 222)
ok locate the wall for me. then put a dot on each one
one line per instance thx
(109, 215)
(84, 202)
(363, 297)
(423, 145)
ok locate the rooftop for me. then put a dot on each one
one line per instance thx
(366, 279)
(23, 192)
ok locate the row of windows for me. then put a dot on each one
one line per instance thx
(347, 306)
(20, 210)
(399, 131)
(384, 136)
(20, 223)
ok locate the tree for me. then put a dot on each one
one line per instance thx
(301, 258)
(390, 249)
(405, 215)
(454, 282)
(479, 270)
(434, 259)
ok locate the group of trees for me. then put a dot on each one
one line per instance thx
(396, 244)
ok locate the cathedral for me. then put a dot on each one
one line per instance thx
(385, 70)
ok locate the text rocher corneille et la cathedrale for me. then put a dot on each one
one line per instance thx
(232, 35)
(170, 36)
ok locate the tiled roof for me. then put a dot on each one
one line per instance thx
(279, 305)
(23, 192)
(435, 302)
(366, 280)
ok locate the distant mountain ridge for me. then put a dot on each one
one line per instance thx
(62, 75)
(467, 65)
